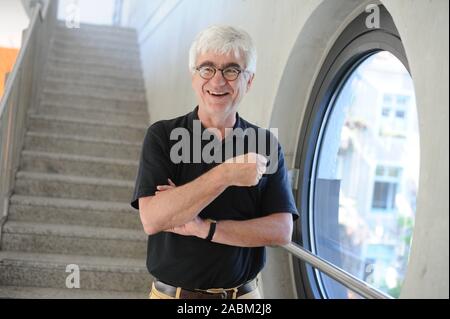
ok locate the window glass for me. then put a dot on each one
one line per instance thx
(365, 177)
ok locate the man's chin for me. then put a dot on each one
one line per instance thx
(219, 108)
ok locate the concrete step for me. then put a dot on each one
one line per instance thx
(94, 98)
(31, 209)
(139, 119)
(65, 78)
(94, 30)
(96, 273)
(75, 187)
(107, 61)
(69, 74)
(89, 128)
(113, 108)
(76, 165)
(14, 292)
(95, 43)
(97, 68)
(95, 54)
(73, 240)
(67, 144)
(86, 90)
(100, 100)
(120, 65)
(96, 40)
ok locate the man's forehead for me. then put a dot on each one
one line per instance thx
(218, 59)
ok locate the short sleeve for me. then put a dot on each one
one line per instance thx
(276, 196)
(155, 166)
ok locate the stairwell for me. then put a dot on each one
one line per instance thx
(71, 199)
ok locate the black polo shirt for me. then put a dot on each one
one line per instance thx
(191, 262)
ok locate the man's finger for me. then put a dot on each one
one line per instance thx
(171, 183)
(164, 187)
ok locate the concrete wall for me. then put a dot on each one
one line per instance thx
(423, 26)
(293, 38)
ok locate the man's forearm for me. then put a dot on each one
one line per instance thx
(272, 230)
(180, 205)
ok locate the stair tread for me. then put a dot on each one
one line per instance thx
(73, 82)
(73, 231)
(93, 96)
(83, 64)
(85, 121)
(97, 109)
(74, 179)
(53, 293)
(71, 203)
(84, 262)
(95, 42)
(94, 73)
(122, 67)
(111, 55)
(82, 138)
(79, 158)
(118, 29)
(93, 36)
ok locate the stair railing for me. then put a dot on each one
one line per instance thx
(22, 91)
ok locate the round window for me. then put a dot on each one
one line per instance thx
(365, 177)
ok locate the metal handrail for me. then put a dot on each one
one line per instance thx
(348, 280)
(22, 90)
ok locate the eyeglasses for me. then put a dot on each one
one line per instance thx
(207, 72)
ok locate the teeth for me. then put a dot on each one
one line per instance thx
(217, 93)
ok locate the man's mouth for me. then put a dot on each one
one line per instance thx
(217, 94)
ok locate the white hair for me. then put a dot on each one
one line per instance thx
(224, 40)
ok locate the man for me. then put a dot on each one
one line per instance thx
(208, 222)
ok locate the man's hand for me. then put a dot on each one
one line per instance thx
(196, 227)
(245, 170)
(163, 188)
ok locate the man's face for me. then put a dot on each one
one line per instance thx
(217, 95)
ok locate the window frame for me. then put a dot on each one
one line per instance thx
(353, 46)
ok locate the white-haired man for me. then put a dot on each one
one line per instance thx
(208, 222)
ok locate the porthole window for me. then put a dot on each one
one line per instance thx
(359, 158)
(366, 175)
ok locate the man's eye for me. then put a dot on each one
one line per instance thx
(231, 71)
(206, 69)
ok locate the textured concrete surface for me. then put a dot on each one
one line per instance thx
(76, 176)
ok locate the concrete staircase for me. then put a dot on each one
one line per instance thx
(71, 200)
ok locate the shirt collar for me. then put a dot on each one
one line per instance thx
(193, 116)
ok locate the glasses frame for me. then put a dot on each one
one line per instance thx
(240, 71)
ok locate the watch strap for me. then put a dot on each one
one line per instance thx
(212, 230)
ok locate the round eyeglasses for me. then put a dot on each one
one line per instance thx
(207, 72)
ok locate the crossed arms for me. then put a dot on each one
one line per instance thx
(175, 209)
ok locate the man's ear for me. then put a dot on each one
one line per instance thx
(250, 81)
(192, 80)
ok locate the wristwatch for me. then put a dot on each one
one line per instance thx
(212, 229)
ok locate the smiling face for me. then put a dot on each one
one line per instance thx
(217, 96)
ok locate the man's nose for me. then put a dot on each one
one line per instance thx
(218, 78)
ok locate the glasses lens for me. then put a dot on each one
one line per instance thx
(206, 72)
(231, 74)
